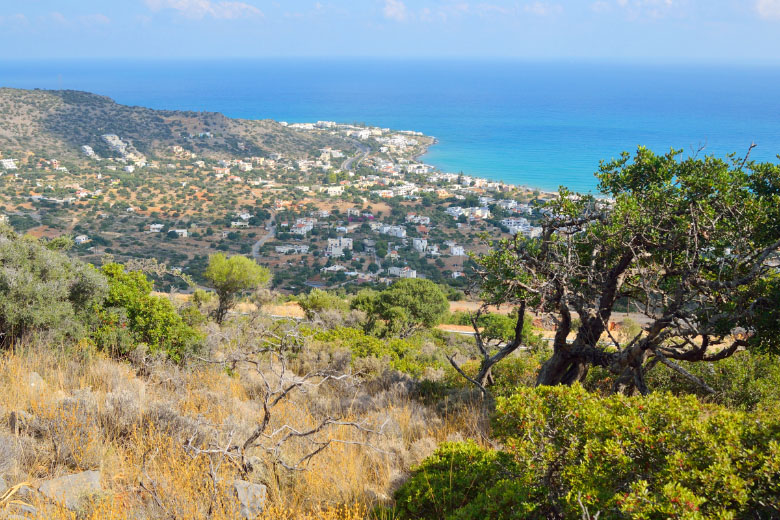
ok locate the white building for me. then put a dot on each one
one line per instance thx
(418, 219)
(420, 245)
(337, 246)
(457, 251)
(402, 272)
(239, 224)
(292, 249)
(303, 226)
(8, 164)
(454, 211)
(81, 239)
(334, 191)
(393, 231)
(181, 232)
(156, 228)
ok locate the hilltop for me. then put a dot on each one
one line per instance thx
(60, 122)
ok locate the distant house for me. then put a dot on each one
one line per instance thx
(420, 245)
(156, 228)
(337, 246)
(239, 224)
(181, 232)
(8, 164)
(81, 239)
(402, 272)
(457, 251)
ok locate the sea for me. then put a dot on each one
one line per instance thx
(538, 124)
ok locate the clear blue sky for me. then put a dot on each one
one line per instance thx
(687, 31)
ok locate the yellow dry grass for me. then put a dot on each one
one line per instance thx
(95, 413)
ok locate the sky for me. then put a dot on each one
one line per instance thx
(659, 31)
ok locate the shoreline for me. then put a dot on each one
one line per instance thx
(419, 158)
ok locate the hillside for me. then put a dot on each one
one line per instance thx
(59, 122)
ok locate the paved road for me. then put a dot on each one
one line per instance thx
(347, 165)
(265, 238)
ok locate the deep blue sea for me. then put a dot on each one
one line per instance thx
(536, 124)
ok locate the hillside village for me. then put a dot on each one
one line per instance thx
(366, 213)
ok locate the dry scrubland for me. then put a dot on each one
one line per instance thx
(144, 425)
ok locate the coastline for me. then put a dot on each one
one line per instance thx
(420, 156)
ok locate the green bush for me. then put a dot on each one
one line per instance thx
(42, 289)
(464, 481)
(744, 381)
(131, 315)
(651, 457)
(514, 371)
(404, 355)
(318, 300)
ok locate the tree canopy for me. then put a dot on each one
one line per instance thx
(405, 306)
(231, 275)
(690, 243)
(41, 288)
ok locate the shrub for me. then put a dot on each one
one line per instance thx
(513, 372)
(464, 481)
(42, 288)
(626, 457)
(744, 381)
(231, 276)
(318, 301)
(404, 355)
(147, 318)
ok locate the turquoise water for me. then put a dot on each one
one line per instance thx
(537, 124)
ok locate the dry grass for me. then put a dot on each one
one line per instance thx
(143, 432)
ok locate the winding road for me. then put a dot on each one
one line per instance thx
(265, 238)
(347, 164)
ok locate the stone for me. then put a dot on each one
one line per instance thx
(3, 486)
(375, 496)
(70, 489)
(19, 421)
(251, 497)
(36, 382)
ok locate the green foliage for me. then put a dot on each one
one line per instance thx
(230, 276)
(745, 381)
(404, 355)
(684, 240)
(404, 307)
(318, 300)
(650, 457)
(517, 370)
(146, 318)
(43, 289)
(463, 481)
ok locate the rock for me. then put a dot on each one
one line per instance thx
(251, 497)
(70, 489)
(19, 421)
(374, 496)
(18, 508)
(36, 382)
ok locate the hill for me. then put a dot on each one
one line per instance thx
(59, 122)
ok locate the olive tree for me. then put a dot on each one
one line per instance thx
(404, 307)
(691, 244)
(41, 288)
(229, 276)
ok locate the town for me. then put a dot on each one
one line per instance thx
(368, 213)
